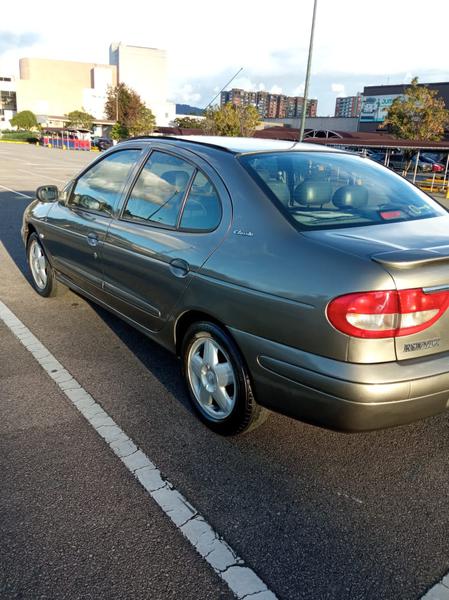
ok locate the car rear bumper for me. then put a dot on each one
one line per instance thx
(341, 395)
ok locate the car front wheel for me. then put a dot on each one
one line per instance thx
(218, 381)
(44, 281)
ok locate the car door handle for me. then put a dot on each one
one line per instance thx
(179, 267)
(92, 239)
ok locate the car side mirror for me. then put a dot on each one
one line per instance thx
(47, 193)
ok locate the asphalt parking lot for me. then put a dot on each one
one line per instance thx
(314, 514)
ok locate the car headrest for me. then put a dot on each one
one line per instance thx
(313, 192)
(177, 178)
(350, 196)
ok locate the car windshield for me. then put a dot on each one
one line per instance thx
(318, 190)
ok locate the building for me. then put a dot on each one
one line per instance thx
(348, 106)
(270, 106)
(8, 101)
(57, 87)
(239, 98)
(377, 99)
(145, 71)
(312, 107)
(53, 88)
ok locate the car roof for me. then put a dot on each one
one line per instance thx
(242, 145)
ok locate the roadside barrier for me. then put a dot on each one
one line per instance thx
(435, 183)
(66, 144)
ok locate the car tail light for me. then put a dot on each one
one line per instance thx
(389, 313)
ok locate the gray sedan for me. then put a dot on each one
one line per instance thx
(287, 277)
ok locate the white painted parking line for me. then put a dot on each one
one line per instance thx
(242, 580)
(15, 192)
(440, 591)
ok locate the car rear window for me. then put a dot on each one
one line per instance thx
(322, 190)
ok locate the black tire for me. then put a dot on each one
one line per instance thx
(246, 414)
(51, 287)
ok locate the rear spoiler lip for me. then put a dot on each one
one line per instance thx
(407, 259)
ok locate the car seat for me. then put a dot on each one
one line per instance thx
(350, 197)
(312, 193)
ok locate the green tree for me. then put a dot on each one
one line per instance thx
(144, 123)
(79, 119)
(231, 120)
(417, 115)
(25, 119)
(188, 123)
(125, 106)
(119, 132)
(249, 119)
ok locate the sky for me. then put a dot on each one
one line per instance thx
(357, 42)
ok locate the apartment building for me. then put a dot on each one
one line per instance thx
(270, 106)
(348, 106)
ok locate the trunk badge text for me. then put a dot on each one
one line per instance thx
(427, 345)
(241, 232)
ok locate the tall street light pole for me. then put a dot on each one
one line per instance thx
(306, 86)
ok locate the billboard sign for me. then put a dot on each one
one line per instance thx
(375, 108)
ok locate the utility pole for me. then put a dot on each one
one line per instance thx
(306, 86)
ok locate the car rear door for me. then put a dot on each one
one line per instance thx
(76, 228)
(176, 213)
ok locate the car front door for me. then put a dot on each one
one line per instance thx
(76, 227)
(173, 218)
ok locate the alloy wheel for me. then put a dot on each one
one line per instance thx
(212, 378)
(38, 265)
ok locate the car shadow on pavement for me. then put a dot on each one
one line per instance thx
(10, 224)
(161, 363)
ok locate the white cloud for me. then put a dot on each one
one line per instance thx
(338, 88)
(243, 82)
(275, 89)
(269, 55)
(186, 95)
(298, 90)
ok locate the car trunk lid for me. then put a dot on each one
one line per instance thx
(416, 255)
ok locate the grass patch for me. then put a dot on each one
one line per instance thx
(20, 136)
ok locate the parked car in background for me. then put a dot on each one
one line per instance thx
(290, 277)
(400, 162)
(102, 143)
(439, 157)
(376, 156)
(435, 166)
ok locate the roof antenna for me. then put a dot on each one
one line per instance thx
(225, 86)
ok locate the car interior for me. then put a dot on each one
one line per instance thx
(321, 191)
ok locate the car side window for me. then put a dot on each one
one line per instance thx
(99, 189)
(159, 191)
(202, 210)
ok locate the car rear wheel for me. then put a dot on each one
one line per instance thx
(218, 381)
(44, 281)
